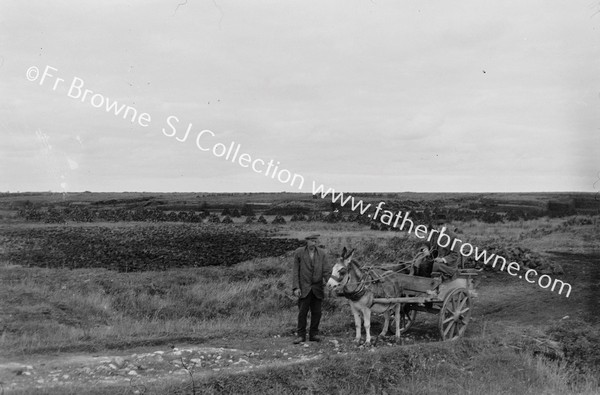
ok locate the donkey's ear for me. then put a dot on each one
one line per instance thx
(351, 253)
(344, 253)
(348, 257)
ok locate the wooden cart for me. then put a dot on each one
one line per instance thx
(451, 300)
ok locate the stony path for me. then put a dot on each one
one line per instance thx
(153, 365)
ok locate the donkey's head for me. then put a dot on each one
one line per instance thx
(340, 272)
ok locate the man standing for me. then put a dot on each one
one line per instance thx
(310, 272)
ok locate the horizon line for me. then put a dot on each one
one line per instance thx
(288, 192)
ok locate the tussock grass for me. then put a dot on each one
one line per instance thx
(91, 309)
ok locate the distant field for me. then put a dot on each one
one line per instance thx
(555, 204)
(269, 197)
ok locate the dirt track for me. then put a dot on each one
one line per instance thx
(150, 365)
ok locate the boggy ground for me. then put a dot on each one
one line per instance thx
(229, 330)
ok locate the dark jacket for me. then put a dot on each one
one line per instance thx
(309, 273)
(451, 255)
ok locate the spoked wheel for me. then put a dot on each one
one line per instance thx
(407, 317)
(455, 314)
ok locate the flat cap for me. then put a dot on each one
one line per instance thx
(312, 237)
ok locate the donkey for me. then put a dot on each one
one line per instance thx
(360, 288)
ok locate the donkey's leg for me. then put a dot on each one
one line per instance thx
(386, 323)
(367, 317)
(357, 322)
(398, 317)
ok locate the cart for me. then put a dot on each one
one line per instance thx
(451, 300)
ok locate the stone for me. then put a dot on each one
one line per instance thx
(103, 369)
(120, 362)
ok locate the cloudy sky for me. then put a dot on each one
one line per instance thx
(359, 95)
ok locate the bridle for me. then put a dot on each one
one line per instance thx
(356, 293)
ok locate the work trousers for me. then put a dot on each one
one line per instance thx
(313, 304)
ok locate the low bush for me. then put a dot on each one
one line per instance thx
(581, 344)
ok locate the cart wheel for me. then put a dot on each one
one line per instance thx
(407, 317)
(455, 314)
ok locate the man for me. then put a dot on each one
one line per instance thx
(310, 272)
(448, 257)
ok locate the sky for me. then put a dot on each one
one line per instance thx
(369, 95)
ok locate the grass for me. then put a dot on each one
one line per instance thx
(90, 309)
(558, 234)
